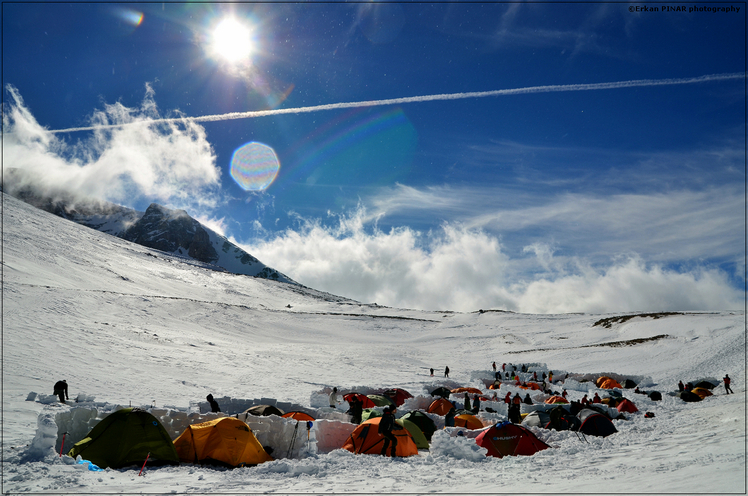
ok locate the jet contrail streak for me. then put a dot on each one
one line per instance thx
(426, 98)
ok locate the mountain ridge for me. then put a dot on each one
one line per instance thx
(172, 231)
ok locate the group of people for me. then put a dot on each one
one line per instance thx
(689, 386)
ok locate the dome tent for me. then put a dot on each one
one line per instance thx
(223, 441)
(366, 439)
(509, 439)
(127, 437)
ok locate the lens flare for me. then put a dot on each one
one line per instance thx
(254, 166)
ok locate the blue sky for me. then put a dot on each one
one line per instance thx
(630, 198)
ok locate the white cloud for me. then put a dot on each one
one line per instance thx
(171, 163)
(457, 268)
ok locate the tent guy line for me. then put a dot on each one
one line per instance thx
(426, 98)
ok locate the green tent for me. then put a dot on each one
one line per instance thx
(380, 400)
(423, 421)
(126, 437)
(370, 413)
(415, 433)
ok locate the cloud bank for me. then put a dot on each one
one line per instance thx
(170, 162)
(466, 269)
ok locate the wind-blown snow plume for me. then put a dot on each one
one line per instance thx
(125, 157)
(429, 98)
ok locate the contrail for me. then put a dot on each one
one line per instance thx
(426, 98)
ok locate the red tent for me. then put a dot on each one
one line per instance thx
(627, 406)
(471, 390)
(365, 400)
(397, 395)
(509, 439)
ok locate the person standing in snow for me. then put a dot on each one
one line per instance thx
(432, 372)
(528, 400)
(494, 367)
(61, 390)
(468, 407)
(476, 404)
(727, 381)
(596, 399)
(508, 398)
(446, 372)
(357, 408)
(333, 397)
(213, 404)
(449, 418)
(681, 387)
(386, 426)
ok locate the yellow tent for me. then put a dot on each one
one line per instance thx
(701, 392)
(225, 441)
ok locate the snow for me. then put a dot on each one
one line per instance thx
(126, 325)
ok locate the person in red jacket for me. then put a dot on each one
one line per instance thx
(508, 398)
(728, 389)
(585, 401)
(596, 399)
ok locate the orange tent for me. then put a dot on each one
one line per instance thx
(470, 390)
(556, 399)
(366, 439)
(298, 416)
(468, 421)
(440, 406)
(225, 440)
(609, 384)
(531, 385)
(601, 379)
(701, 392)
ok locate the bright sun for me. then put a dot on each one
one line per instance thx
(232, 40)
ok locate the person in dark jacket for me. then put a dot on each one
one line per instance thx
(446, 372)
(476, 404)
(213, 404)
(527, 399)
(386, 426)
(61, 390)
(449, 418)
(681, 387)
(468, 407)
(356, 410)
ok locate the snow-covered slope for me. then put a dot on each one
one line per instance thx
(125, 324)
(168, 230)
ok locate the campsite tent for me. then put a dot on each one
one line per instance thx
(262, 411)
(124, 438)
(366, 439)
(470, 390)
(689, 396)
(419, 438)
(626, 406)
(595, 423)
(397, 395)
(468, 421)
(298, 415)
(380, 400)
(509, 439)
(365, 401)
(600, 380)
(556, 399)
(440, 407)
(370, 413)
(423, 421)
(530, 385)
(222, 441)
(609, 384)
(537, 418)
(441, 391)
(708, 383)
(629, 384)
(701, 392)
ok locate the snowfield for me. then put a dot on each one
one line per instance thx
(127, 325)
